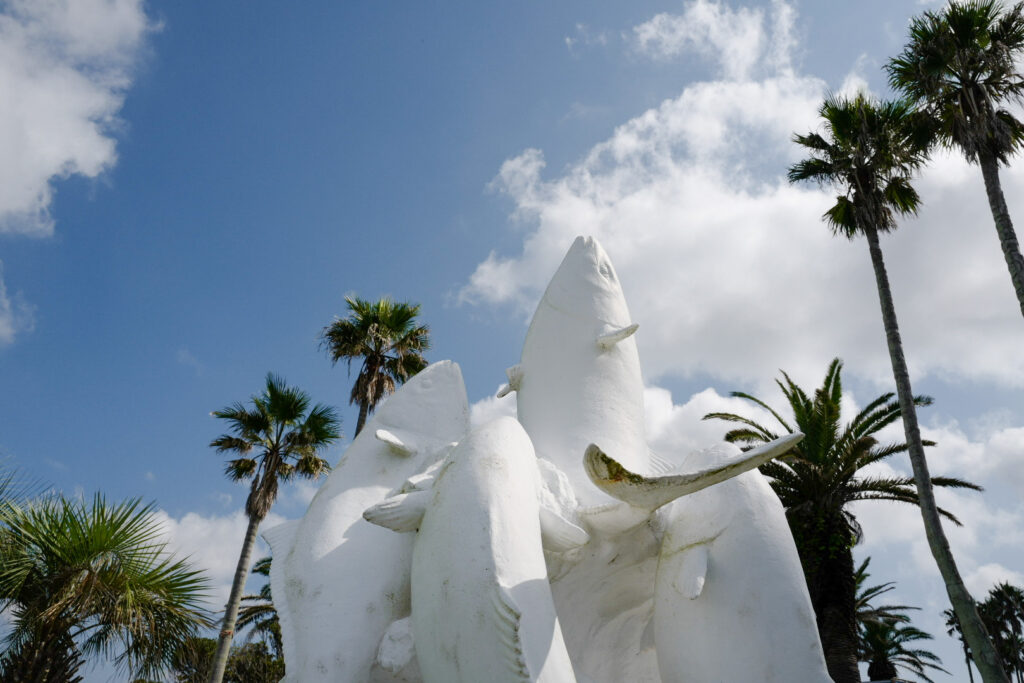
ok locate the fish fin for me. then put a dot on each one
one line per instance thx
(507, 618)
(559, 534)
(610, 339)
(397, 646)
(692, 572)
(281, 536)
(515, 379)
(402, 513)
(396, 444)
(653, 492)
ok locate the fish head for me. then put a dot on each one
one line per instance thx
(586, 285)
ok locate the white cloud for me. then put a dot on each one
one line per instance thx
(728, 268)
(213, 544)
(16, 315)
(584, 35)
(738, 41)
(64, 69)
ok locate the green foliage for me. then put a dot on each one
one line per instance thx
(91, 579)
(1003, 614)
(819, 479)
(275, 439)
(960, 68)
(868, 150)
(248, 663)
(258, 611)
(886, 646)
(387, 337)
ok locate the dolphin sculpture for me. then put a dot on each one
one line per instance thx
(481, 604)
(730, 601)
(338, 581)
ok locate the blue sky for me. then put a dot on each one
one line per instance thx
(191, 189)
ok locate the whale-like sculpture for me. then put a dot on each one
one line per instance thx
(730, 602)
(579, 381)
(330, 632)
(481, 604)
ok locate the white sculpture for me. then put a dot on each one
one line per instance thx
(481, 603)
(529, 561)
(730, 602)
(339, 582)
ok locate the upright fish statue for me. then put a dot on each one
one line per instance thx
(481, 604)
(579, 381)
(338, 581)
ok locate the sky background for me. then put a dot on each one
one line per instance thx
(188, 191)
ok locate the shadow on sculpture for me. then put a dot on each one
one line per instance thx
(555, 547)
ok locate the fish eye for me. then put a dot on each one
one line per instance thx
(606, 270)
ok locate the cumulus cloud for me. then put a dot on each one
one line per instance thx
(738, 42)
(64, 70)
(727, 267)
(213, 544)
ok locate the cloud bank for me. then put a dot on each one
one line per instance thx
(727, 267)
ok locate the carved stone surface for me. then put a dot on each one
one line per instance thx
(525, 553)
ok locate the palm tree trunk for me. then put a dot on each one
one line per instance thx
(963, 604)
(1004, 226)
(364, 411)
(227, 632)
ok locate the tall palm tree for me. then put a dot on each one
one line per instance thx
(85, 579)
(387, 337)
(885, 647)
(960, 66)
(274, 439)
(869, 151)
(260, 612)
(816, 483)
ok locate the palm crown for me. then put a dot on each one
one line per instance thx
(275, 439)
(817, 481)
(390, 341)
(83, 579)
(869, 150)
(960, 65)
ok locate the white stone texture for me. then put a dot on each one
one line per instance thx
(481, 603)
(339, 581)
(730, 602)
(572, 390)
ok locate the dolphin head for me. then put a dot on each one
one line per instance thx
(586, 285)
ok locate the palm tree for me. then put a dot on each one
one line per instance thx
(869, 151)
(260, 612)
(274, 439)
(85, 579)
(816, 483)
(884, 646)
(953, 630)
(1003, 614)
(386, 335)
(867, 612)
(960, 67)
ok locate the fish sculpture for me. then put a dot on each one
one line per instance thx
(481, 603)
(338, 581)
(730, 601)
